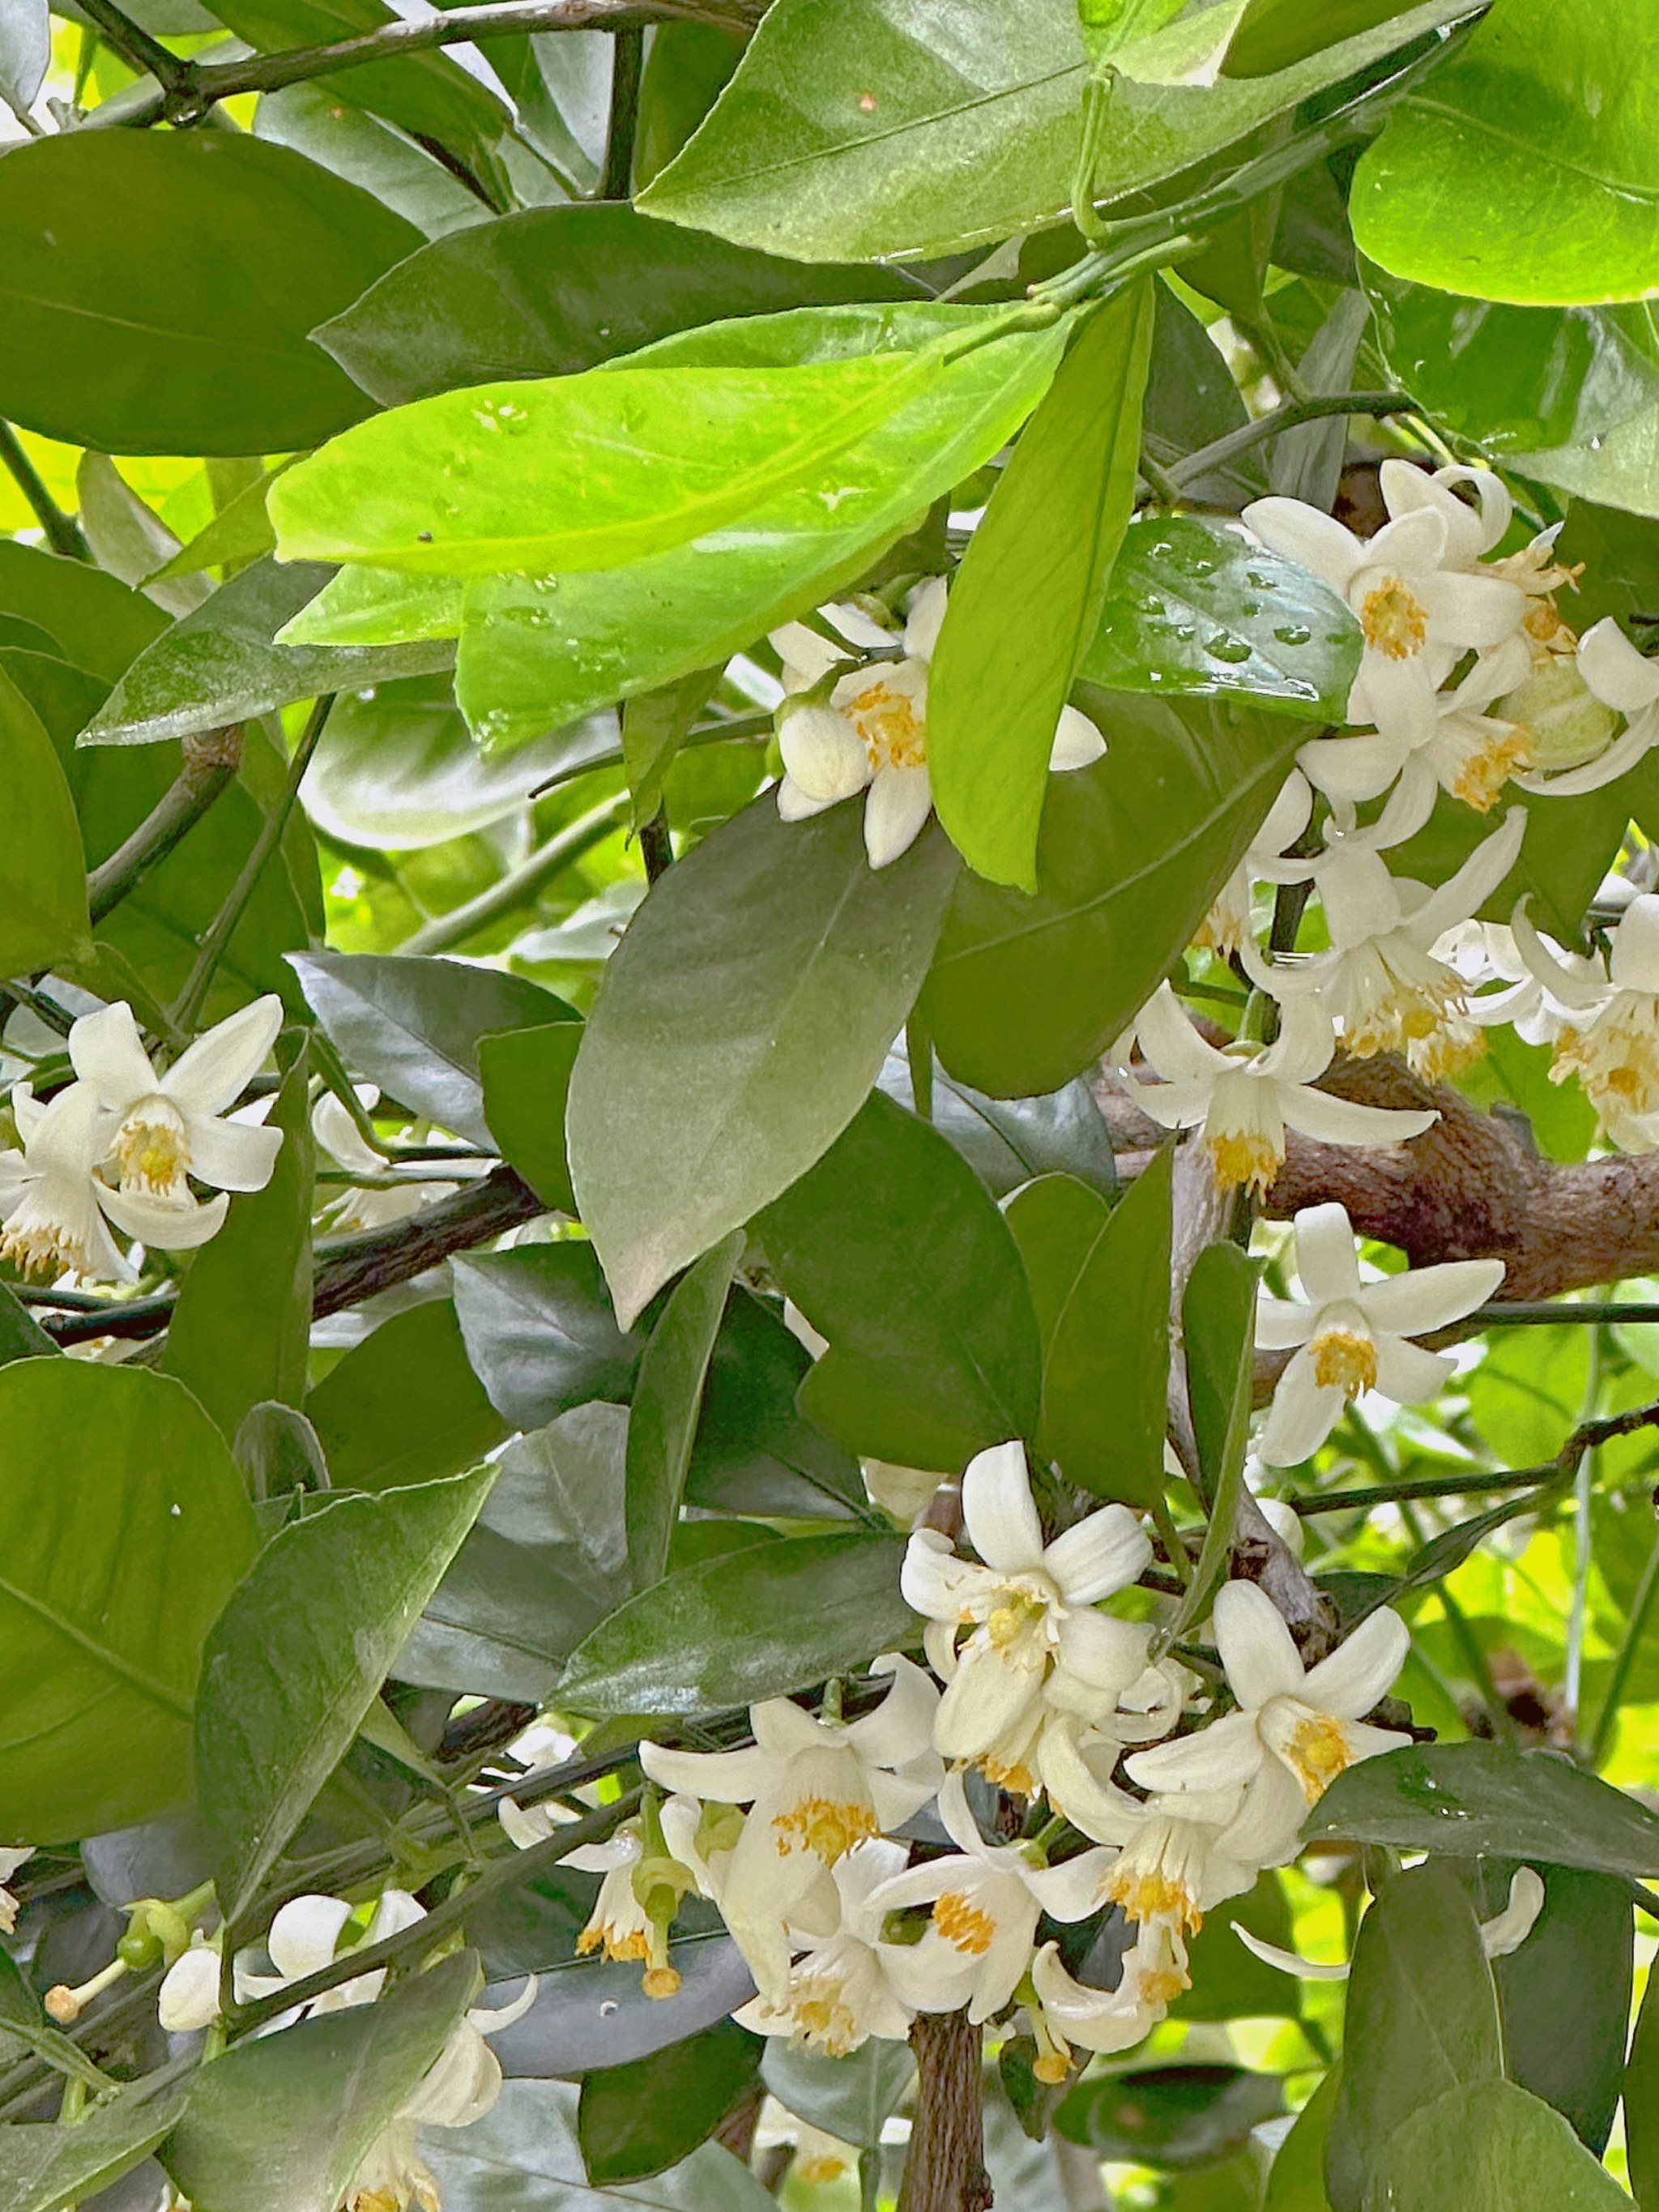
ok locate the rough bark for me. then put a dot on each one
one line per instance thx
(944, 2165)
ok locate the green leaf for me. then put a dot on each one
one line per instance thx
(633, 2121)
(739, 1026)
(1484, 1798)
(96, 622)
(559, 289)
(895, 1251)
(1563, 211)
(584, 471)
(1229, 1982)
(241, 1329)
(1195, 610)
(1027, 599)
(1641, 2095)
(21, 1336)
(654, 725)
(278, 1451)
(667, 1401)
(1422, 2019)
(43, 876)
(754, 1452)
(239, 532)
(1490, 2147)
(1175, 2117)
(844, 134)
(1100, 1282)
(404, 1406)
(1296, 2182)
(540, 1332)
(298, 1656)
(220, 663)
(414, 1025)
(526, 1081)
(130, 1528)
(1024, 994)
(51, 2168)
(752, 1625)
(1273, 33)
(620, 631)
(281, 2124)
(1218, 1315)
(852, 2097)
(203, 348)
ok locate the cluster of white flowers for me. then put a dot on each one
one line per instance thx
(121, 1145)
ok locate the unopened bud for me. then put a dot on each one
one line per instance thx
(1565, 724)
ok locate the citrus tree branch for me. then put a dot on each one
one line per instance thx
(209, 763)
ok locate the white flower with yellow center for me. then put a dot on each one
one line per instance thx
(1416, 589)
(870, 733)
(1243, 1097)
(461, 2086)
(1296, 1730)
(332, 1127)
(1465, 751)
(816, 1788)
(1608, 1029)
(1345, 1335)
(851, 1983)
(1229, 922)
(1486, 952)
(987, 1899)
(50, 1198)
(638, 1898)
(167, 1128)
(1027, 1607)
(1608, 677)
(1381, 980)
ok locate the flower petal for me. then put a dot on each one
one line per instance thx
(1283, 1324)
(1362, 766)
(1256, 1648)
(1327, 1261)
(823, 753)
(1361, 1670)
(1303, 534)
(214, 1072)
(304, 1935)
(105, 1049)
(168, 1226)
(901, 1728)
(1508, 1930)
(794, 806)
(996, 1505)
(1408, 1374)
(1097, 1557)
(925, 618)
(71, 1132)
(1222, 1756)
(724, 1777)
(1077, 743)
(1619, 676)
(1425, 1298)
(1292, 1962)
(1169, 1041)
(900, 801)
(236, 1155)
(1345, 1121)
(1304, 1413)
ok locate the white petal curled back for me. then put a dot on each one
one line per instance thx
(1616, 672)
(996, 1505)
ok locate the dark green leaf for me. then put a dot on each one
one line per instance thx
(130, 1528)
(1641, 2095)
(845, 135)
(654, 725)
(1451, 195)
(540, 1332)
(740, 1024)
(752, 1625)
(21, 1336)
(96, 622)
(1485, 1798)
(203, 348)
(43, 875)
(635, 2120)
(1026, 602)
(281, 2124)
(896, 1252)
(1173, 2116)
(241, 1328)
(48, 2168)
(1422, 2019)
(666, 1404)
(1100, 1282)
(1490, 2147)
(1273, 33)
(1218, 1315)
(1025, 994)
(413, 1026)
(1191, 401)
(556, 290)
(1229, 1981)
(299, 1655)
(685, 67)
(1296, 2180)
(851, 2098)
(1196, 610)
(220, 664)
(754, 1452)
(404, 1406)
(279, 1451)
(526, 1080)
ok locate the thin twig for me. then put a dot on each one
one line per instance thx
(1548, 1313)
(627, 67)
(1421, 1485)
(561, 851)
(210, 762)
(135, 45)
(1289, 416)
(62, 533)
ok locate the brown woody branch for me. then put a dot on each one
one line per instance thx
(945, 2165)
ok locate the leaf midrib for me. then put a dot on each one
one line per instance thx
(123, 1669)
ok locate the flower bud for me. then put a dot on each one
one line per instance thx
(1565, 724)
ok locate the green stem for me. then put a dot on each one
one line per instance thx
(134, 44)
(1583, 1492)
(1635, 1629)
(627, 67)
(1418, 1486)
(1175, 1551)
(656, 846)
(1289, 416)
(1549, 1313)
(209, 764)
(561, 851)
(199, 981)
(62, 533)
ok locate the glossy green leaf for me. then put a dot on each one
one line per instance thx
(1422, 2019)
(845, 135)
(278, 1451)
(1564, 210)
(1641, 2095)
(1100, 1282)
(751, 1625)
(559, 289)
(281, 2124)
(1296, 2181)
(1486, 1798)
(1229, 1981)
(242, 1326)
(298, 1657)
(547, 1559)
(49, 2168)
(1273, 33)
(203, 348)
(43, 875)
(667, 1401)
(540, 1331)
(1175, 2117)
(96, 622)
(852, 2097)
(896, 1252)
(239, 532)
(1490, 2147)
(584, 471)
(1196, 610)
(654, 725)
(131, 1529)
(635, 2120)
(1025, 603)
(1217, 1313)
(1191, 400)
(21, 1336)
(1026, 993)
(740, 1024)
(413, 1026)
(220, 664)
(754, 1451)
(404, 1406)
(526, 1081)
(1006, 1141)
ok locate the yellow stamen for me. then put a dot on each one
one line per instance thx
(1241, 1156)
(822, 1826)
(43, 1247)
(1486, 771)
(617, 1943)
(152, 1155)
(894, 734)
(1344, 1360)
(963, 1924)
(1162, 1985)
(1394, 619)
(1318, 1752)
(823, 2018)
(818, 2168)
(1013, 1776)
(1154, 1896)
